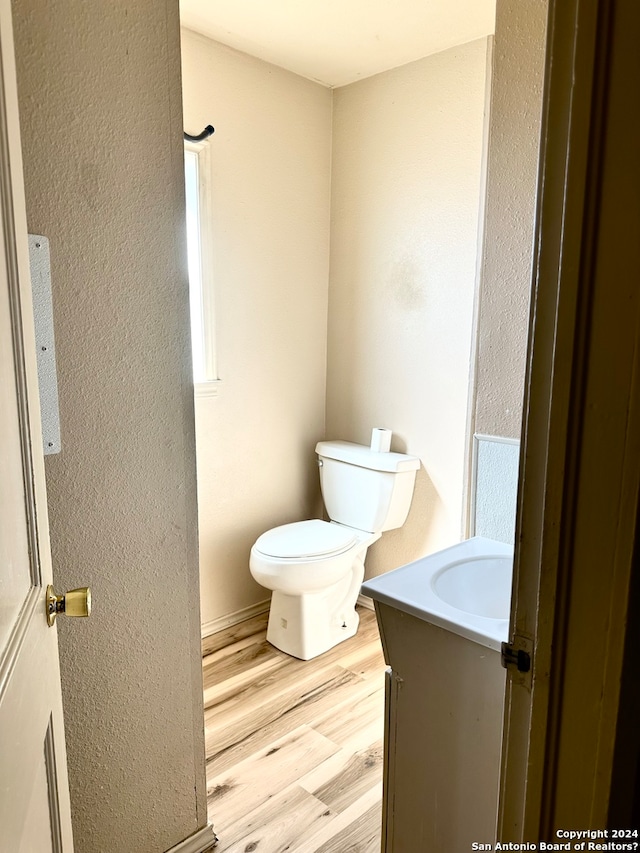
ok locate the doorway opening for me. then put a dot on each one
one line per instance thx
(390, 239)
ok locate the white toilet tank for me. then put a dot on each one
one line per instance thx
(363, 488)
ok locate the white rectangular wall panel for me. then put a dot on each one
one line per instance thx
(494, 487)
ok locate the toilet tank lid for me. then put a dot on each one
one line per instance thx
(364, 457)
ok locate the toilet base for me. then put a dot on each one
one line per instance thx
(305, 626)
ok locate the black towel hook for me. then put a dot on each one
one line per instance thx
(206, 133)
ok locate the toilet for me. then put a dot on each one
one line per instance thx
(315, 568)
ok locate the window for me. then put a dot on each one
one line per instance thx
(199, 260)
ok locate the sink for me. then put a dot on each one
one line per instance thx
(481, 585)
(465, 589)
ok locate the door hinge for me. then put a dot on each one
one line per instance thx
(511, 655)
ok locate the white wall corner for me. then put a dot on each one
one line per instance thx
(201, 841)
(474, 355)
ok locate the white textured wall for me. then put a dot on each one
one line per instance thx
(99, 88)
(514, 133)
(270, 158)
(407, 151)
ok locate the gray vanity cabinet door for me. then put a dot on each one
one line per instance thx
(443, 727)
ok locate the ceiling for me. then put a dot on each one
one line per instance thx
(336, 42)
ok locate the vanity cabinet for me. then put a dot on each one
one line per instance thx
(443, 727)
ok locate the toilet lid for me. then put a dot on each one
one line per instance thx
(304, 539)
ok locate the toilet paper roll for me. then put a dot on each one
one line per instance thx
(381, 439)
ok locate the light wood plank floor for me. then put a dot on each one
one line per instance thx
(294, 748)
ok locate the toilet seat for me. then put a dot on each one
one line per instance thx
(306, 540)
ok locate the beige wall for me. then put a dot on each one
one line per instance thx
(101, 118)
(516, 105)
(405, 195)
(407, 152)
(270, 159)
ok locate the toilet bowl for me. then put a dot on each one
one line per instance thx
(315, 568)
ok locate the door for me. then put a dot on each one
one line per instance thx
(34, 796)
(580, 462)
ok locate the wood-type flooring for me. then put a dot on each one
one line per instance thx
(294, 748)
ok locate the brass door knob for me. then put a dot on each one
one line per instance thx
(76, 602)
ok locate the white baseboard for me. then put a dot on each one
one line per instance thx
(222, 622)
(201, 841)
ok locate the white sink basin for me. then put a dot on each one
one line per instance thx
(481, 585)
(465, 589)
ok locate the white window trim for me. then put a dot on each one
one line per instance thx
(203, 151)
(207, 389)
